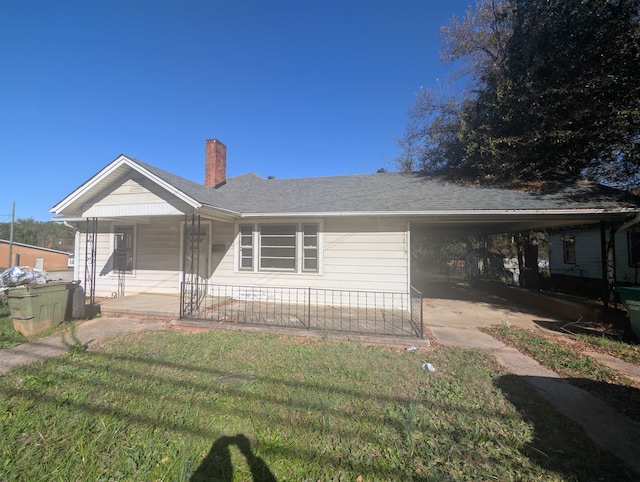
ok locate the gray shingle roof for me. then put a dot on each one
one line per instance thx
(387, 192)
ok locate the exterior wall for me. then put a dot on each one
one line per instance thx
(589, 256)
(51, 259)
(157, 259)
(356, 254)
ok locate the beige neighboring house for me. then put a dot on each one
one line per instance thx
(55, 263)
(142, 229)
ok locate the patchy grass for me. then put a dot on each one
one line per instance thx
(225, 406)
(581, 370)
(8, 335)
(625, 351)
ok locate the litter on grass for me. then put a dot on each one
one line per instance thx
(428, 366)
(411, 348)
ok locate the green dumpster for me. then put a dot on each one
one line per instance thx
(630, 298)
(36, 308)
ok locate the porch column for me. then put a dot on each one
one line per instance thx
(608, 247)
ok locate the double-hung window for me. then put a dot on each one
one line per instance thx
(292, 247)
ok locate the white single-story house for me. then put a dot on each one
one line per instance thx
(141, 229)
(576, 255)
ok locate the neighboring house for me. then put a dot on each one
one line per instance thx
(576, 256)
(144, 230)
(495, 264)
(32, 256)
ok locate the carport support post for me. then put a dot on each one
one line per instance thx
(607, 244)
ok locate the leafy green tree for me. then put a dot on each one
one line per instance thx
(38, 233)
(555, 94)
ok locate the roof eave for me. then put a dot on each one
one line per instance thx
(451, 213)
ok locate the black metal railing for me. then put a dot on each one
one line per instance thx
(361, 312)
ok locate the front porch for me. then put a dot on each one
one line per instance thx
(295, 309)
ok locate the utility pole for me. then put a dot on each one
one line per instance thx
(13, 215)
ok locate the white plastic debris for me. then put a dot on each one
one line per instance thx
(411, 348)
(428, 366)
(21, 275)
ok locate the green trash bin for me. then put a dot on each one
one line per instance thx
(36, 308)
(630, 298)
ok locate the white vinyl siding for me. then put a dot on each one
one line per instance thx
(353, 254)
(363, 254)
(157, 260)
(589, 256)
(136, 196)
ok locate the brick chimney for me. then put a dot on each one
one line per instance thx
(215, 169)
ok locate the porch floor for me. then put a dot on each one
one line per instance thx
(149, 304)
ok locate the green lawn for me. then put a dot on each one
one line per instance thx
(218, 406)
(8, 335)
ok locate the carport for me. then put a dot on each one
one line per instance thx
(584, 211)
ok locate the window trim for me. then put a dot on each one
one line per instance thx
(112, 241)
(304, 248)
(299, 239)
(251, 247)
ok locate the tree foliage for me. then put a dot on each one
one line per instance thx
(554, 94)
(38, 233)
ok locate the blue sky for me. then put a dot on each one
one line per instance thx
(294, 88)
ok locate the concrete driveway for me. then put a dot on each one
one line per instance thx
(454, 312)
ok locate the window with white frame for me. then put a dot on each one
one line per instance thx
(123, 248)
(279, 247)
(310, 247)
(246, 246)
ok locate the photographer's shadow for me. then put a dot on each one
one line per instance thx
(217, 465)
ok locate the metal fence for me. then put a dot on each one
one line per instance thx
(361, 312)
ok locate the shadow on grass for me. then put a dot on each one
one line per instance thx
(562, 445)
(217, 465)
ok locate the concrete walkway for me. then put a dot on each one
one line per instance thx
(609, 429)
(88, 334)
